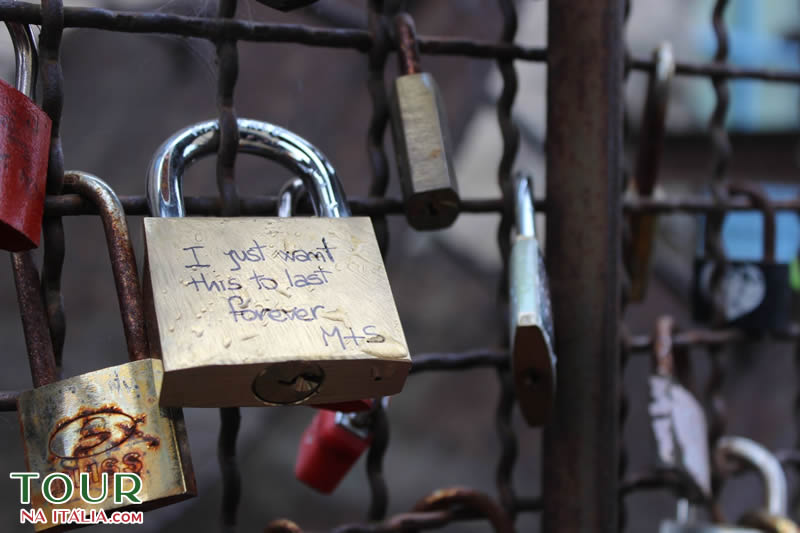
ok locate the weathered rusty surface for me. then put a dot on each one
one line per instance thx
(407, 47)
(106, 421)
(475, 501)
(120, 251)
(584, 149)
(34, 319)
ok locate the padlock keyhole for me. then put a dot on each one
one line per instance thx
(532, 378)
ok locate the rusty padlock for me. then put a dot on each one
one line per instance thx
(648, 158)
(421, 139)
(533, 361)
(25, 142)
(677, 419)
(753, 295)
(267, 311)
(108, 421)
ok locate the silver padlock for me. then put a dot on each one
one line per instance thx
(533, 360)
(770, 518)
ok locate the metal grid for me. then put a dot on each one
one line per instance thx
(587, 62)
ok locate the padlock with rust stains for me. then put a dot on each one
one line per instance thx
(421, 139)
(109, 421)
(267, 311)
(533, 361)
(25, 147)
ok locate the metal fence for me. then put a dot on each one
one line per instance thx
(585, 479)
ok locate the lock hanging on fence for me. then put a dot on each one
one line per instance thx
(752, 295)
(25, 141)
(770, 518)
(421, 139)
(331, 445)
(267, 311)
(107, 421)
(677, 419)
(533, 361)
(651, 141)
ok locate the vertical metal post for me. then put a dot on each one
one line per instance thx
(584, 163)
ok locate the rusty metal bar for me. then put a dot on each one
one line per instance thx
(356, 39)
(121, 256)
(74, 205)
(584, 162)
(34, 320)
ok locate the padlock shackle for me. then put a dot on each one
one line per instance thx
(407, 44)
(767, 466)
(120, 252)
(654, 118)
(35, 325)
(25, 56)
(524, 213)
(760, 201)
(288, 197)
(165, 174)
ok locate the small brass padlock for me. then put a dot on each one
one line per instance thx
(421, 139)
(25, 147)
(533, 361)
(95, 425)
(267, 311)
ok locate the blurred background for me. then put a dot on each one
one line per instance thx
(125, 94)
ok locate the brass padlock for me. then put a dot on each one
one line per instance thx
(89, 427)
(267, 311)
(421, 139)
(533, 361)
(648, 158)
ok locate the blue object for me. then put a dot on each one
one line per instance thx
(743, 231)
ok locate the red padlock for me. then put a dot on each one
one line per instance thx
(329, 448)
(24, 150)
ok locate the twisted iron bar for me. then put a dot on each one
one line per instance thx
(52, 21)
(714, 245)
(135, 205)
(511, 138)
(230, 417)
(356, 39)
